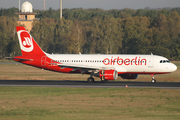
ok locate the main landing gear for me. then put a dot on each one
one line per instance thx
(90, 79)
(153, 80)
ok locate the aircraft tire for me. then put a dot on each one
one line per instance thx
(153, 81)
(90, 80)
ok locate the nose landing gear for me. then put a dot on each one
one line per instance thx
(153, 79)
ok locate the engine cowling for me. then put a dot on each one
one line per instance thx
(108, 74)
(129, 76)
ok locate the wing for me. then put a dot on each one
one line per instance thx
(84, 68)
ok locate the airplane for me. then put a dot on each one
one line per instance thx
(105, 66)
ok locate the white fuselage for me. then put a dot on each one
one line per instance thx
(139, 64)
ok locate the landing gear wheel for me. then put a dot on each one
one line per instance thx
(90, 80)
(153, 81)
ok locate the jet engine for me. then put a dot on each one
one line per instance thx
(108, 74)
(129, 76)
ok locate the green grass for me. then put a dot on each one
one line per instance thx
(89, 103)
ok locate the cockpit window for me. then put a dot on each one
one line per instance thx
(167, 61)
(164, 61)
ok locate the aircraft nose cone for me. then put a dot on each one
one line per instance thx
(173, 67)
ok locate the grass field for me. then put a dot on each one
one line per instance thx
(24, 72)
(47, 103)
(89, 103)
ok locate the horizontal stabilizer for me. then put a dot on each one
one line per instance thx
(22, 59)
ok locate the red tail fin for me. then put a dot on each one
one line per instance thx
(28, 45)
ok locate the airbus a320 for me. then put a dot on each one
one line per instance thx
(106, 67)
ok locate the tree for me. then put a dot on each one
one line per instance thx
(42, 32)
(136, 32)
(8, 41)
(77, 38)
(61, 35)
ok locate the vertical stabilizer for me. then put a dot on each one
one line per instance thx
(28, 45)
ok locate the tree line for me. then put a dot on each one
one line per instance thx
(93, 31)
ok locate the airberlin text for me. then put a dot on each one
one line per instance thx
(126, 61)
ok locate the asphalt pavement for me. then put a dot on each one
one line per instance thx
(85, 84)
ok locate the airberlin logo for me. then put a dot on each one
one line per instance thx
(25, 41)
(127, 61)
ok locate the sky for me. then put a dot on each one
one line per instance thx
(85, 4)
